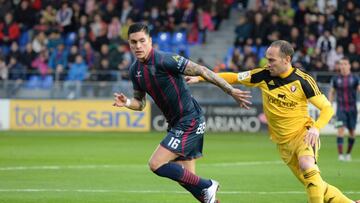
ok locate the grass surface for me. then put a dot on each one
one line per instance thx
(111, 167)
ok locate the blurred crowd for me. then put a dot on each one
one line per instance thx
(86, 40)
(321, 32)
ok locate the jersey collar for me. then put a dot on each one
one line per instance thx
(151, 59)
(287, 73)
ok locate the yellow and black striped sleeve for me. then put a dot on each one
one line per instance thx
(308, 84)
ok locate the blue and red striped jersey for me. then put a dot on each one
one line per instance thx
(161, 77)
(346, 88)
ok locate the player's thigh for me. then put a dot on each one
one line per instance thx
(351, 120)
(341, 119)
(160, 156)
(288, 155)
(186, 139)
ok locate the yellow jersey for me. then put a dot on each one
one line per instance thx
(285, 100)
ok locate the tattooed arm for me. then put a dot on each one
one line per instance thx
(193, 69)
(137, 103)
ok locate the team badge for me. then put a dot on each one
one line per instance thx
(179, 133)
(293, 88)
(243, 75)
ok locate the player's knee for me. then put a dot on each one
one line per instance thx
(306, 162)
(154, 165)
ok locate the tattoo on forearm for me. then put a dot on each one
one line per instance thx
(194, 69)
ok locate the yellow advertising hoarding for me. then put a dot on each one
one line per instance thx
(84, 115)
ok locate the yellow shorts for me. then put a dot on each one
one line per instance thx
(295, 148)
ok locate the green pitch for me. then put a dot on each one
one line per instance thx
(111, 167)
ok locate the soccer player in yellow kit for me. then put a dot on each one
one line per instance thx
(286, 92)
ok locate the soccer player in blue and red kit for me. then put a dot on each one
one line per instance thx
(345, 86)
(160, 75)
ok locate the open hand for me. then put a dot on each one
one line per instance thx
(312, 136)
(120, 99)
(241, 97)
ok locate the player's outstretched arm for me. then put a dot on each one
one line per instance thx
(137, 103)
(193, 69)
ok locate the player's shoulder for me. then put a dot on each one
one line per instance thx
(303, 74)
(133, 66)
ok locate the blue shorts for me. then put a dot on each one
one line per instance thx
(186, 139)
(346, 119)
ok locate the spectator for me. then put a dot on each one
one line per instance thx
(204, 23)
(49, 15)
(72, 55)
(55, 40)
(353, 57)
(27, 56)
(126, 11)
(104, 76)
(114, 28)
(78, 72)
(40, 64)
(89, 55)
(17, 71)
(9, 30)
(58, 57)
(326, 42)
(258, 29)
(64, 16)
(5, 7)
(25, 16)
(40, 42)
(4, 70)
(242, 31)
(98, 32)
(14, 51)
(333, 56)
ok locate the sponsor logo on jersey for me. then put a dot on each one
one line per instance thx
(243, 75)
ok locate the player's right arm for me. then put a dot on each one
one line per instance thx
(193, 69)
(137, 103)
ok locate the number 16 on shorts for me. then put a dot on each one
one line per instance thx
(174, 143)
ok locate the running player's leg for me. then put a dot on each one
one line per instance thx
(184, 142)
(340, 124)
(195, 191)
(352, 118)
(317, 189)
(160, 163)
(309, 174)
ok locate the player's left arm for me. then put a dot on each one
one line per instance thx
(193, 69)
(326, 113)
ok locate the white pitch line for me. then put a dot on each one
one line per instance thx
(159, 191)
(104, 166)
(59, 167)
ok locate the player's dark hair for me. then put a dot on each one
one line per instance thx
(138, 27)
(286, 48)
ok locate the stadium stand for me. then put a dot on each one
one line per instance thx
(44, 37)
